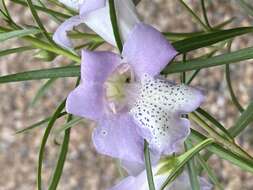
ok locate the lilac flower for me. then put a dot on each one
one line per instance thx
(140, 182)
(130, 102)
(95, 14)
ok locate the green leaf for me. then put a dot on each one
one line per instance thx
(115, 27)
(207, 39)
(231, 90)
(209, 171)
(45, 10)
(46, 46)
(69, 124)
(192, 171)
(44, 141)
(15, 50)
(184, 158)
(148, 165)
(247, 7)
(244, 120)
(216, 123)
(18, 33)
(43, 89)
(38, 21)
(68, 71)
(243, 163)
(38, 124)
(61, 159)
(233, 57)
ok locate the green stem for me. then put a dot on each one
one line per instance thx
(229, 83)
(44, 141)
(196, 18)
(148, 166)
(46, 46)
(205, 14)
(218, 137)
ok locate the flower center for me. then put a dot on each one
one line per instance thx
(118, 87)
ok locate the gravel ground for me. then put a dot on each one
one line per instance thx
(85, 169)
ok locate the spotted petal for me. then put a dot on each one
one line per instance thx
(158, 110)
(147, 50)
(116, 136)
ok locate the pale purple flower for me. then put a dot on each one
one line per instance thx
(140, 182)
(130, 102)
(95, 14)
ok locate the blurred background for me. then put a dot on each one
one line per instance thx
(84, 168)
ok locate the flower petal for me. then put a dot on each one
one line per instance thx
(116, 136)
(97, 66)
(140, 182)
(86, 101)
(91, 5)
(127, 17)
(60, 36)
(74, 4)
(158, 110)
(147, 50)
(132, 168)
(126, 184)
(99, 19)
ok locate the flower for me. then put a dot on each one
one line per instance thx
(140, 182)
(130, 102)
(95, 14)
(74, 4)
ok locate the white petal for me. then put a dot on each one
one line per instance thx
(74, 4)
(158, 110)
(99, 20)
(127, 16)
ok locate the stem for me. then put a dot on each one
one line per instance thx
(229, 84)
(205, 14)
(197, 19)
(218, 137)
(148, 166)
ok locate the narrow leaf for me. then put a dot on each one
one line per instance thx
(244, 120)
(38, 124)
(15, 50)
(184, 158)
(243, 163)
(207, 39)
(233, 57)
(43, 89)
(69, 71)
(148, 165)
(44, 141)
(18, 33)
(61, 159)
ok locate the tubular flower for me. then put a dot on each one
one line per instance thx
(129, 101)
(139, 182)
(95, 14)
